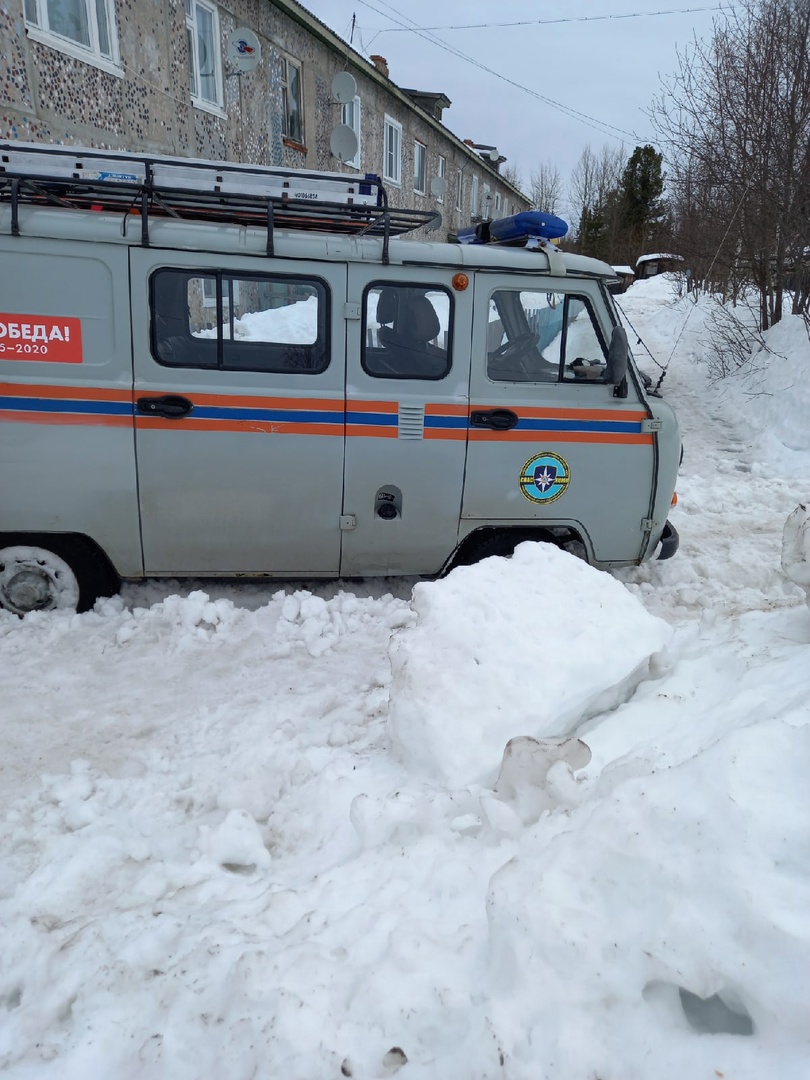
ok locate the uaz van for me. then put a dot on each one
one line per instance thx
(228, 371)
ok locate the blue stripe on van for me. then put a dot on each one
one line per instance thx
(51, 405)
(290, 416)
(374, 419)
(631, 427)
(434, 421)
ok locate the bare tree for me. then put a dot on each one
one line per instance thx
(736, 122)
(511, 174)
(547, 188)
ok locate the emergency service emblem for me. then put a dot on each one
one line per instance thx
(544, 477)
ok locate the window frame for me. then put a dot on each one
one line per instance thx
(460, 190)
(355, 126)
(422, 154)
(562, 377)
(394, 126)
(486, 203)
(195, 75)
(441, 173)
(37, 26)
(286, 113)
(424, 288)
(474, 196)
(235, 278)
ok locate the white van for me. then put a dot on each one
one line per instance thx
(217, 370)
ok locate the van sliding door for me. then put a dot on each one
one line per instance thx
(408, 366)
(239, 381)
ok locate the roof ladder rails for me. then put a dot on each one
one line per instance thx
(202, 191)
(15, 207)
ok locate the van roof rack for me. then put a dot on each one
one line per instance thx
(199, 190)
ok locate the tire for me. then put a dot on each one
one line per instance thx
(52, 574)
(499, 542)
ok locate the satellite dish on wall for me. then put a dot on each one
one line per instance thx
(344, 88)
(438, 187)
(243, 49)
(343, 143)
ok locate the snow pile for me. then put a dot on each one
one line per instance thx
(607, 929)
(796, 548)
(293, 323)
(217, 863)
(528, 646)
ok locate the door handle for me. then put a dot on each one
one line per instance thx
(494, 419)
(172, 406)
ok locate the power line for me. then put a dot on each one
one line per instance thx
(554, 22)
(591, 121)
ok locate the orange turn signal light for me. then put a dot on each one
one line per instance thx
(460, 282)
(674, 501)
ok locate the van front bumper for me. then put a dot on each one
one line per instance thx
(669, 541)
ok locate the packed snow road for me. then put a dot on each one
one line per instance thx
(533, 821)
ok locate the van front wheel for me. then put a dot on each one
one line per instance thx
(53, 578)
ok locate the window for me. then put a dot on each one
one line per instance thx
(459, 188)
(544, 337)
(474, 197)
(392, 153)
(486, 203)
(205, 66)
(81, 28)
(350, 115)
(419, 168)
(407, 331)
(253, 322)
(292, 102)
(441, 170)
(497, 202)
(506, 208)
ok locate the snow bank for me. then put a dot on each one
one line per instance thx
(796, 548)
(606, 930)
(531, 645)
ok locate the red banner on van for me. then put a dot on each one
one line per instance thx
(41, 337)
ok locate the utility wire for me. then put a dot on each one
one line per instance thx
(554, 22)
(591, 121)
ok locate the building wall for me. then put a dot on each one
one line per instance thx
(144, 104)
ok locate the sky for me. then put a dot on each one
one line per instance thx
(606, 69)
(528, 820)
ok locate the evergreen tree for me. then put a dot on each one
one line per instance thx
(642, 186)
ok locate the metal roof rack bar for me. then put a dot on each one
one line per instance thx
(203, 191)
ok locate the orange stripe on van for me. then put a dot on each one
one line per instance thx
(373, 406)
(265, 427)
(619, 416)
(12, 416)
(538, 435)
(61, 393)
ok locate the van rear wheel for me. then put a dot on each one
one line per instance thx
(498, 542)
(62, 576)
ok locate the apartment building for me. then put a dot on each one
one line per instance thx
(158, 77)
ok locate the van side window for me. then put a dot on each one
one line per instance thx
(253, 322)
(407, 331)
(535, 336)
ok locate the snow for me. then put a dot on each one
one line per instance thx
(659, 255)
(516, 823)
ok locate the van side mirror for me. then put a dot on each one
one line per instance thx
(617, 361)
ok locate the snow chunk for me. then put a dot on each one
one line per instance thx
(237, 842)
(796, 548)
(530, 645)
